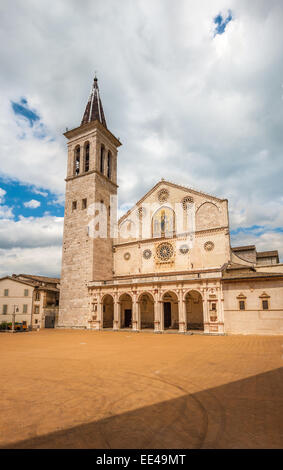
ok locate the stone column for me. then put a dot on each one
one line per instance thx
(82, 157)
(156, 317)
(99, 325)
(138, 315)
(206, 319)
(181, 312)
(135, 313)
(161, 315)
(157, 312)
(220, 298)
(116, 323)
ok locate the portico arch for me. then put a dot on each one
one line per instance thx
(146, 311)
(107, 311)
(170, 311)
(194, 310)
(126, 311)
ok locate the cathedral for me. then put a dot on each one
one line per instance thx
(167, 265)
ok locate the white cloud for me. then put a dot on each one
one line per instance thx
(2, 195)
(201, 111)
(264, 242)
(42, 260)
(31, 159)
(28, 232)
(6, 212)
(41, 193)
(32, 204)
(31, 245)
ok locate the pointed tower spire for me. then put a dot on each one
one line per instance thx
(94, 110)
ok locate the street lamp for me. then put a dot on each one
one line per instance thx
(16, 310)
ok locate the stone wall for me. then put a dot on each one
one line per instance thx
(208, 246)
(16, 297)
(253, 320)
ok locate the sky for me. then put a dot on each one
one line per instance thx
(194, 90)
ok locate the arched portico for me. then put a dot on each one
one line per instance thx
(170, 313)
(146, 311)
(194, 310)
(126, 311)
(107, 311)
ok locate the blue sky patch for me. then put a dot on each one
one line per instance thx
(21, 108)
(221, 22)
(255, 230)
(18, 194)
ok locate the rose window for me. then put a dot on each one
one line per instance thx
(146, 254)
(163, 195)
(208, 246)
(165, 251)
(186, 201)
(184, 249)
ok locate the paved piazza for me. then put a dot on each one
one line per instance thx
(87, 389)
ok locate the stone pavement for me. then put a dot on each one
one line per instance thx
(86, 389)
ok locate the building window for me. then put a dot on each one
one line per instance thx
(109, 159)
(84, 203)
(74, 205)
(102, 151)
(213, 307)
(36, 309)
(242, 305)
(36, 321)
(26, 292)
(37, 295)
(5, 309)
(25, 308)
(6, 292)
(86, 168)
(77, 160)
(265, 305)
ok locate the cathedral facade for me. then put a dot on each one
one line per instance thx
(165, 265)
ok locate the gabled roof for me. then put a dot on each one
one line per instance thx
(267, 254)
(54, 280)
(244, 248)
(232, 266)
(94, 109)
(35, 281)
(174, 185)
(250, 275)
(13, 278)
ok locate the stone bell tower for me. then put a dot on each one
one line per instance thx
(91, 178)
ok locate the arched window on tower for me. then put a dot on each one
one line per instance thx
(102, 151)
(109, 161)
(77, 160)
(86, 168)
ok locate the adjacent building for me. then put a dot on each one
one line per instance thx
(33, 299)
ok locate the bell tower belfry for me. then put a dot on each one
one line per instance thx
(91, 181)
